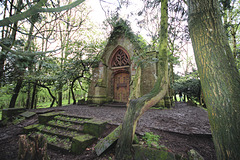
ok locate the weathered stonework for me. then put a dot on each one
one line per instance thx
(116, 77)
(142, 153)
(106, 142)
(12, 112)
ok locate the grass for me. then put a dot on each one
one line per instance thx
(151, 139)
(0, 114)
(47, 104)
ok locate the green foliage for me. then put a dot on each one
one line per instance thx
(122, 27)
(48, 128)
(41, 127)
(5, 95)
(151, 139)
(18, 120)
(78, 54)
(51, 139)
(174, 59)
(189, 85)
(145, 58)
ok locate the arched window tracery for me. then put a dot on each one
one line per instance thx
(120, 59)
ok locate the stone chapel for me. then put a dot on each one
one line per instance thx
(112, 80)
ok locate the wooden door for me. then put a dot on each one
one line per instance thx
(121, 87)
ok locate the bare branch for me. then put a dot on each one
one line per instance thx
(26, 53)
(36, 9)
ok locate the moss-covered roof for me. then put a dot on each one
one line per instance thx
(122, 28)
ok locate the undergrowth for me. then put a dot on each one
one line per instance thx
(151, 139)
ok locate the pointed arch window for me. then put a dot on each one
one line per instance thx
(120, 59)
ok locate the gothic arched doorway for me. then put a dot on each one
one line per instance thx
(121, 87)
(120, 63)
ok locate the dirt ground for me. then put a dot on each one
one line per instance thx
(181, 128)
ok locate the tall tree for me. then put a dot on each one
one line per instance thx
(70, 29)
(231, 10)
(136, 107)
(22, 72)
(220, 79)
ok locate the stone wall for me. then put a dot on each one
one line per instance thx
(101, 89)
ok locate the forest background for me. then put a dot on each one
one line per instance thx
(49, 56)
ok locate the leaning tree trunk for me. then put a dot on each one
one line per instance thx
(220, 78)
(50, 93)
(138, 106)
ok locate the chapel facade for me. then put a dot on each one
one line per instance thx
(112, 80)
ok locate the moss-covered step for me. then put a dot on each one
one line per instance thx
(30, 128)
(54, 131)
(94, 127)
(61, 133)
(12, 112)
(28, 114)
(72, 119)
(66, 125)
(142, 153)
(80, 143)
(56, 143)
(44, 118)
(106, 142)
(75, 116)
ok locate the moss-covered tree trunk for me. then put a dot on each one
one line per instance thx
(137, 107)
(220, 78)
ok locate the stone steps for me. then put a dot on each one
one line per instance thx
(62, 133)
(65, 125)
(55, 142)
(68, 133)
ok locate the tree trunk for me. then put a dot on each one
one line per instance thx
(220, 78)
(16, 92)
(73, 95)
(21, 74)
(2, 61)
(234, 39)
(60, 97)
(172, 92)
(50, 93)
(74, 80)
(35, 102)
(28, 96)
(138, 106)
(69, 96)
(8, 35)
(34, 95)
